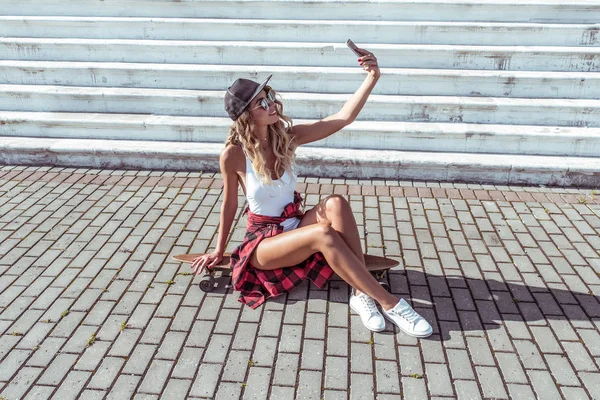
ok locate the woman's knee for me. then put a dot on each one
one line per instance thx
(325, 235)
(336, 205)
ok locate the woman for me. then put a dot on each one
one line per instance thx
(284, 246)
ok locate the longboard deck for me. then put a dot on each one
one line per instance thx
(374, 263)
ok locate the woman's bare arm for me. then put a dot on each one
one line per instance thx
(311, 132)
(228, 164)
(230, 197)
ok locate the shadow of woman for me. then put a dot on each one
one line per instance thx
(454, 303)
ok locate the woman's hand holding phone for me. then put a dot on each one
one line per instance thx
(365, 58)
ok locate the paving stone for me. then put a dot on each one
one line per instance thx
(410, 360)
(591, 340)
(172, 343)
(574, 393)
(92, 356)
(432, 351)
(40, 358)
(139, 359)
(336, 373)
(125, 342)
(563, 329)
(155, 331)
(545, 339)
(467, 390)
(42, 392)
(57, 370)
(309, 385)
(337, 342)
(561, 370)
(286, 369)
(313, 355)
(177, 389)
(438, 380)
(591, 381)
(460, 365)
(480, 351)
(387, 376)
(511, 368)
(206, 380)
(200, 334)
(72, 385)
(414, 388)
(334, 395)
(543, 384)
(491, 383)
(106, 374)
(244, 336)
(579, 357)
(264, 351)
(271, 324)
(123, 388)
(217, 349)
(188, 362)
(529, 354)
(282, 392)
(257, 384)
(338, 312)
(236, 366)
(361, 387)
(291, 338)
(156, 376)
(20, 383)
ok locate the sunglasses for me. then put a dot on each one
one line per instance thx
(264, 102)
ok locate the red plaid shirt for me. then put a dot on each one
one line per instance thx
(257, 285)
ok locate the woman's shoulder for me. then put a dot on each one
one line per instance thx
(232, 157)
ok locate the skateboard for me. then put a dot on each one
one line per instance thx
(377, 265)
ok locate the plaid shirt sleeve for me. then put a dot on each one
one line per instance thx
(256, 286)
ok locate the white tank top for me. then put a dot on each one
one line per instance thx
(270, 200)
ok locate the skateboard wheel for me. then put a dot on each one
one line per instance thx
(207, 285)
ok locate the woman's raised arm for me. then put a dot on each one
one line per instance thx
(311, 132)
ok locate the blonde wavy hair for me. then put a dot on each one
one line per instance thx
(240, 133)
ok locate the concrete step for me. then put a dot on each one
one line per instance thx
(208, 29)
(480, 110)
(322, 162)
(575, 11)
(395, 81)
(515, 58)
(398, 136)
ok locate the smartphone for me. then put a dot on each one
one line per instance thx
(353, 47)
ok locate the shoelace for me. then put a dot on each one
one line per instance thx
(409, 314)
(369, 303)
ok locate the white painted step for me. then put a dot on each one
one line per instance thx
(481, 110)
(427, 82)
(575, 11)
(401, 32)
(323, 162)
(401, 136)
(527, 58)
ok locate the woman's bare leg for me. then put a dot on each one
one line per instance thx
(336, 211)
(293, 247)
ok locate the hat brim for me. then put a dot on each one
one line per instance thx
(258, 90)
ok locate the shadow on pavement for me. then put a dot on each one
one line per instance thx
(477, 304)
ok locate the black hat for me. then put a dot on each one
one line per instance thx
(240, 94)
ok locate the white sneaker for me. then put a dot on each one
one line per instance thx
(370, 316)
(408, 320)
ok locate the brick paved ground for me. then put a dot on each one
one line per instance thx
(92, 306)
